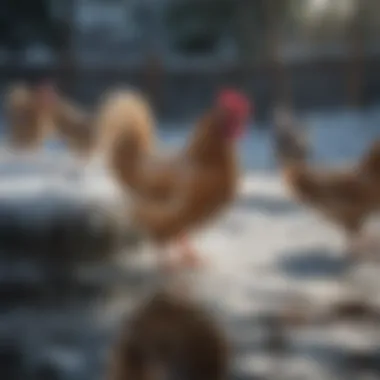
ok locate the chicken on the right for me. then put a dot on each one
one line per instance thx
(345, 196)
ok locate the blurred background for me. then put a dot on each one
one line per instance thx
(320, 57)
(314, 53)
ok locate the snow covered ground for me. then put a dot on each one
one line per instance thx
(263, 253)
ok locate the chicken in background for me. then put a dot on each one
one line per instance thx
(26, 110)
(87, 133)
(347, 197)
(90, 134)
(369, 166)
(75, 127)
(179, 193)
(290, 137)
(170, 337)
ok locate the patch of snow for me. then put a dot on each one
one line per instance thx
(263, 252)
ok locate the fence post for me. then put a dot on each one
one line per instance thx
(279, 77)
(66, 53)
(153, 67)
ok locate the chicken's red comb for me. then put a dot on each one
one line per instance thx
(234, 100)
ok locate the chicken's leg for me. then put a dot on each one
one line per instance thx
(184, 256)
(164, 259)
(189, 256)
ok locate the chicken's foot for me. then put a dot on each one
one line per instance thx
(183, 256)
(190, 258)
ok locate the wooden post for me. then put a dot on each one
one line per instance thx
(153, 68)
(281, 92)
(153, 75)
(66, 55)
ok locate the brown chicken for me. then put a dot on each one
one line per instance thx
(87, 133)
(75, 127)
(342, 196)
(177, 194)
(71, 123)
(369, 166)
(125, 121)
(128, 135)
(26, 110)
(170, 337)
(347, 197)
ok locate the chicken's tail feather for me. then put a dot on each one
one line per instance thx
(128, 116)
(126, 131)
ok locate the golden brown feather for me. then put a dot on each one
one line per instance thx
(28, 127)
(369, 165)
(340, 195)
(127, 130)
(205, 182)
(347, 197)
(178, 193)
